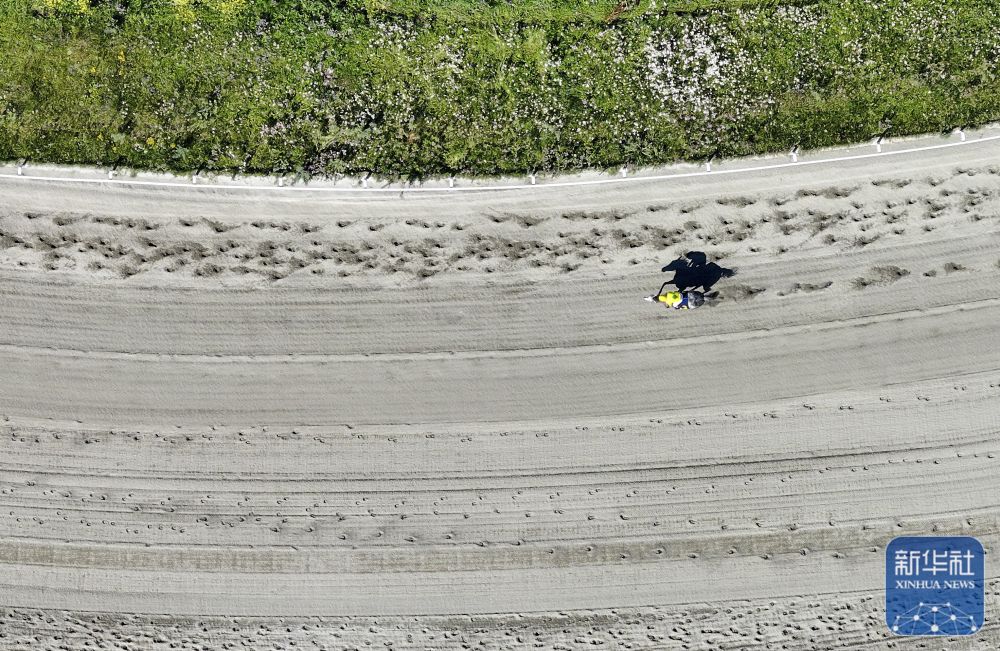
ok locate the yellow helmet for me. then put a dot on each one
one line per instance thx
(671, 298)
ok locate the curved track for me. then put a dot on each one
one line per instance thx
(476, 450)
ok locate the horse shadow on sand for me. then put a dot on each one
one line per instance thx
(694, 271)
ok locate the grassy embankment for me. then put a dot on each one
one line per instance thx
(422, 87)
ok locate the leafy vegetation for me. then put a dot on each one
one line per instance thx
(413, 88)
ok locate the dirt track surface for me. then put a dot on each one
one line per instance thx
(437, 421)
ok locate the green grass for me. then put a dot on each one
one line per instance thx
(413, 88)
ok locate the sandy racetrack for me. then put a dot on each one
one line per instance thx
(239, 418)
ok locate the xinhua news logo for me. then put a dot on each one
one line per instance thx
(934, 585)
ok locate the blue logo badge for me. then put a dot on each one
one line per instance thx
(934, 585)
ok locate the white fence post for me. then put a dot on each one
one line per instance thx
(794, 153)
(531, 178)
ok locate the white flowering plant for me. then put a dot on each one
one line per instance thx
(415, 88)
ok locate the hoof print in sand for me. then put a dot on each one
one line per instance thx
(880, 276)
(806, 287)
(740, 292)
